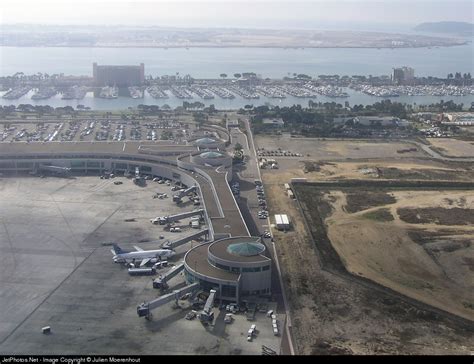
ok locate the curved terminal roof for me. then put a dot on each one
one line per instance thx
(211, 155)
(246, 249)
(206, 141)
(196, 259)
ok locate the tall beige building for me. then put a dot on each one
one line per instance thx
(403, 75)
(121, 76)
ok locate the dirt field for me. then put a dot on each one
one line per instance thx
(379, 215)
(437, 215)
(352, 318)
(384, 252)
(453, 147)
(409, 169)
(334, 149)
(334, 311)
(357, 201)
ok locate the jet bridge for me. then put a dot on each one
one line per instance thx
(171, 218)
(145, 308)
(179, 242)
(184, 192)
(162, 281)
(181, 193)
(207, 314)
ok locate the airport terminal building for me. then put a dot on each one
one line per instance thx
(236, 267)
(234, 263)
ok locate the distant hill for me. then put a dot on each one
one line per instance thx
(449, 27)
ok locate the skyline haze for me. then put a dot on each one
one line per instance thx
(357, 15)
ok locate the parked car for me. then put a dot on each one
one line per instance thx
(228, 318)
(252, 332)
(233, 307)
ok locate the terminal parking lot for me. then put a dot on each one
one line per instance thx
(57, 270)
(94, 129)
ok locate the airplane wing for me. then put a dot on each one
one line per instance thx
(139, 249)
(144, 261)
(113, 252)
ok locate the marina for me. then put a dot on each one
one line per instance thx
(157, 92)
(427, 90)
(44, 93)
(74, 93)
(16, 93)
(108, 92)
(135, 92)
(233, 97)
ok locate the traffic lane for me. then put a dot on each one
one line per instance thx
(249, 203)
(256, 228)
(237, 136)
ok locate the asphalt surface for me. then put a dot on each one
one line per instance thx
(56, 272)
(248, 203)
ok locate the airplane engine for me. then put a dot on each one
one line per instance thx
(153, 260)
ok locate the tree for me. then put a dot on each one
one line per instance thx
(303, 76)
(211, 109)
(237, 75)
(238, 147)
(223, 75)
(198, 105)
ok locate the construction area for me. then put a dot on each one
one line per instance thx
(379, 256)
(57, 271)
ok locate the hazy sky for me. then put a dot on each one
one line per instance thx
(228, 13)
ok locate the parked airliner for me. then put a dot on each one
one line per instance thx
(122, 256)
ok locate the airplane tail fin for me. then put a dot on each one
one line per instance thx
(118, 250)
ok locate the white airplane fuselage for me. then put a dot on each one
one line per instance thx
(140, 255)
